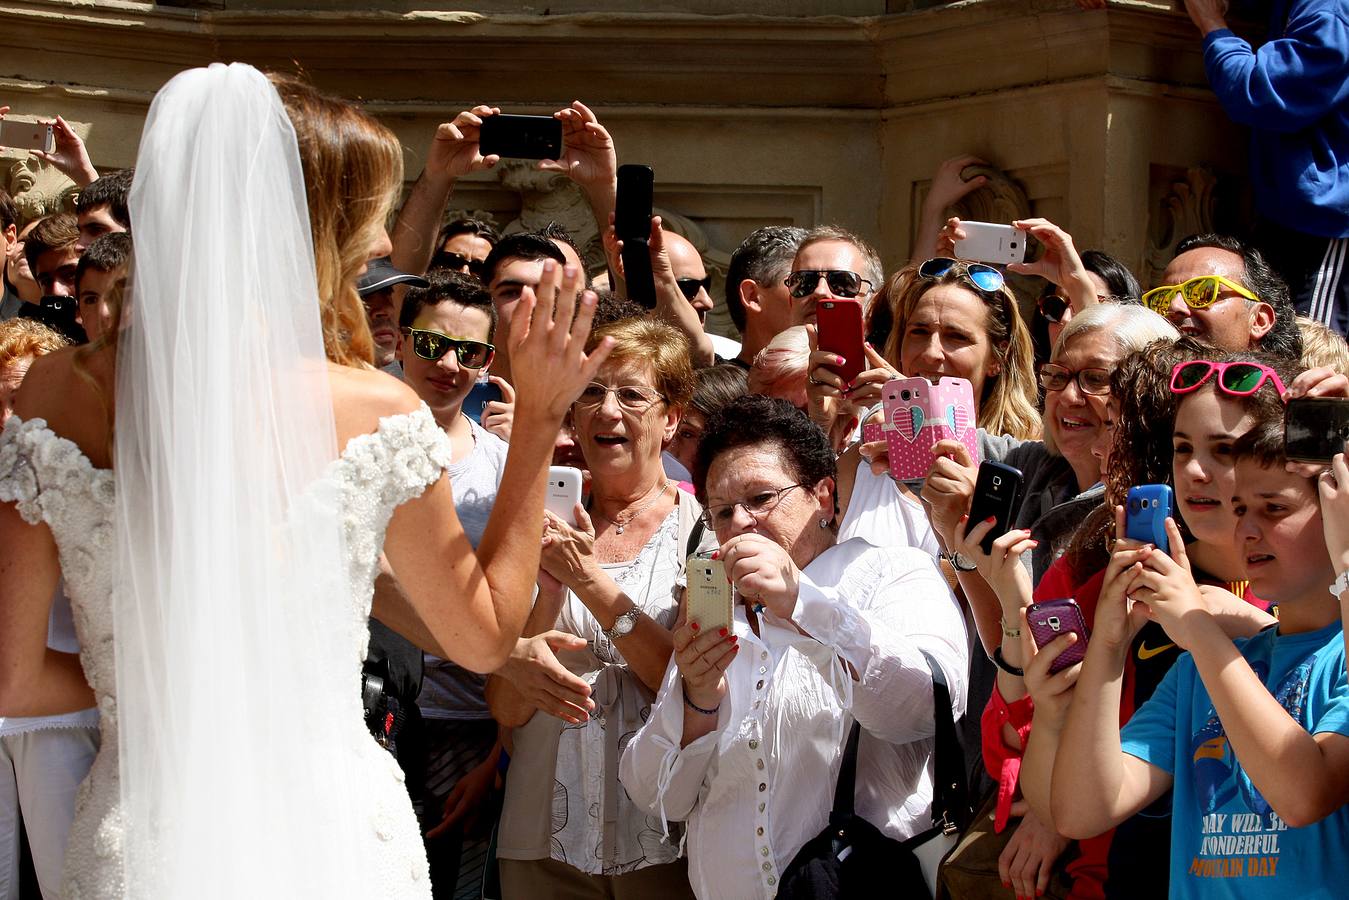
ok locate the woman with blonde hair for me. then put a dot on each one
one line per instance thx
(221, 572)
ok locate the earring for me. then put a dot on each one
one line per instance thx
(824, 523)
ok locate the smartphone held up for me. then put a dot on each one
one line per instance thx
(989, 243)
(1052, 618)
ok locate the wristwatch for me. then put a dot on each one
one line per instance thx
(623, 624)
(961, 563)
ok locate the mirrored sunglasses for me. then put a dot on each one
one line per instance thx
(1240, 379)
(841, 283)
(983, 277)
(1198, 293)
(432, 345)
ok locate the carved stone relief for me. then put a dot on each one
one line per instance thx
(37, 188)
(1184, 207)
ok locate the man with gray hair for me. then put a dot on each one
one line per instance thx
(756, 290)
(832, 262)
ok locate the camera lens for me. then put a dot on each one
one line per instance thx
(904, 395)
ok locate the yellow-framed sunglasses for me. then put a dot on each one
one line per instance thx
(1198, 293)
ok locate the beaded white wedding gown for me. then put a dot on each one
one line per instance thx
(52, 481)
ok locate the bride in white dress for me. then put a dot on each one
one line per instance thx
(221, 573)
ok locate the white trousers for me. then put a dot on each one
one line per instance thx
(39, 772)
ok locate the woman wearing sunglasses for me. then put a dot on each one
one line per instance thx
(1180, 414)
(608, 579)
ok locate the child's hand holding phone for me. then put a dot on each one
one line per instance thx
(1119, 617)
(1167, 586)
(1052, 692)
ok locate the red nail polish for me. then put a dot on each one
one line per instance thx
(722, 632)
(716, 554)
(734, 638)
(991, 519)
(694, 625)
(964, 519)
(839, 359)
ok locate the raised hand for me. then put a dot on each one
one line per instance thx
(1060, 262)
(588, 154)
(1001, 568)
(69, 157)
(1051, 692)
(1334, 489)
(568, 550)
(1167, 585)
(949, 185)
(1119, 617)
(498, 416)
(549, 330)
(454, 150)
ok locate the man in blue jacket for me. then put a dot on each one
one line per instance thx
(1293, 93)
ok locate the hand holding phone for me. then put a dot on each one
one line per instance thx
(632, 226)
(709, 597)
(989, 243)
(1052, 618)
(840, 331)
(1145, 513)
(520, 137)
(564, 492)
(16, 134)
(918, 414)
(997, 494)
(482, 393)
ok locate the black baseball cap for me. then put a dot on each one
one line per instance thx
(380, 274)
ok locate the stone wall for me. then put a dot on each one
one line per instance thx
(793, 111)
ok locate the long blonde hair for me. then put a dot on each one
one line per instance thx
(353, 172)
(1007, 405)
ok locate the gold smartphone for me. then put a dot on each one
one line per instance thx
(709, 596)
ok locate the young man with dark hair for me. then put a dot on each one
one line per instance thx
(1220, 290)
(101, 271)
(52, 249)
(464, 244)
(513, 265)
(756, 295)
(448, 328)
(102, 206)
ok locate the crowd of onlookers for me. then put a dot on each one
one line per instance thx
(1194, 739)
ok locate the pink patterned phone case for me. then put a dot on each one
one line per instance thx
(917, 415)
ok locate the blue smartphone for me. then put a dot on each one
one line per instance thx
(483, 393)
(1146, 512)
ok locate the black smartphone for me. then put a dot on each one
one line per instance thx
(632, 225)
(520, 137)
(58, 314)
(1315, 428)
(997, 493)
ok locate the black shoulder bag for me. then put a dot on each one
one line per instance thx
(850, 857)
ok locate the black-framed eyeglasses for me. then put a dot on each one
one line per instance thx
(982, 276)
(432, 345)
(841, 283)
(634, 398)
(757, 505)
(690, 287)
(447, 259)
(1054, 377)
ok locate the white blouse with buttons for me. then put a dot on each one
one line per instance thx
(761, 784)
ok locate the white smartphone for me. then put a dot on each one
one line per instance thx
(16, 134)
(564, 492)
(997, 244)
(709, 595)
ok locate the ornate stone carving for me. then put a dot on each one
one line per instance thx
(1186, 207)
(37, 188)
(551, 197)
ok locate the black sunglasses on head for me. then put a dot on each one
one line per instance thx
(689, 287)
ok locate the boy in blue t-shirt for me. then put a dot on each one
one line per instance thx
(1252, 736)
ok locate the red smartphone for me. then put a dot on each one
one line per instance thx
(839, 324)
(1052, 618)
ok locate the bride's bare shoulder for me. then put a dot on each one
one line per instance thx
(72, 389)
(361, 397)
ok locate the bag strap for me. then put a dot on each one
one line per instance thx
(695, 537)
(950, 792)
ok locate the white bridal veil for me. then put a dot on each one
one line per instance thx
(231, 597)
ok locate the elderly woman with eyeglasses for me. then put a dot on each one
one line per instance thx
(607, 602)
(745, 738)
